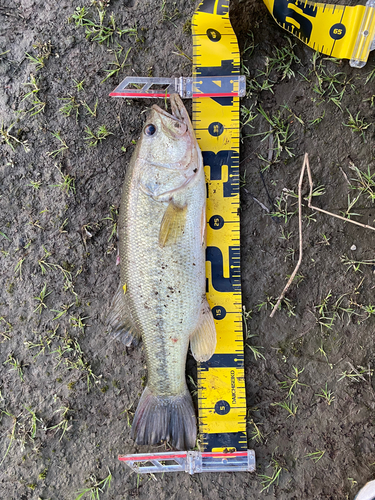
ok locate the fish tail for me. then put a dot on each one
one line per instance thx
(165, 418)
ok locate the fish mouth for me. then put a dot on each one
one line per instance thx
(179, 116)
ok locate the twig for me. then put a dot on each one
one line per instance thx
(305, 162)
(306, 166)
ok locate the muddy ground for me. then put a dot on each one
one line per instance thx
(67, 392)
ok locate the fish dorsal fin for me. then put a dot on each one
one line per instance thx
(203, 339)
(120, 322)
(172, 225)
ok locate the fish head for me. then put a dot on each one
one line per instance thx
(169, 152)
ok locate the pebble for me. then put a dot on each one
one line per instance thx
(353, 247)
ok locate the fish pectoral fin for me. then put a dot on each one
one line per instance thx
(120, 323)
(203, 339)
(172, 225)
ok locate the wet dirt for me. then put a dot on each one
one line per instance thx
(68, 393)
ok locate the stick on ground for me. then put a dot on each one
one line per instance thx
(306, 166)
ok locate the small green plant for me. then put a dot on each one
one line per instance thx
(364, 182)
(10, 139)
(64, 309)
(326, 395)
(18, 267)
(279, 131)
(357, 124)
(43, 294)
(268, 480)
(35, 184)
(357, 374)
(67, 184)
(285, 235)
(61, 149)
(37, 106)
(44, 342)
(112, 218)
(325, 240)
(282, 206)
(70, 106)
(78, 323)
(90, 111)
(96, 486)
(327, 314)
(194, 392)
(355, 265)
(248, 116)
(43, 264)
(283, 60)
(43, 474)
(255, 348)
(44, 51)
(117, 65)
(15, 364)
(169, 16)
(323, 353)
(4, 235)
(8, 328)
(269, 301)
(290, 407)
(292, 382)
(317, 120)
(38, 61)
(79, 85)
(93, 138)
(12, 435)
(315, 456)
(99, 30)
(348, 214)
(246, 315)
(181, 53)
(64, 424)
(129, 412)
(256, 433)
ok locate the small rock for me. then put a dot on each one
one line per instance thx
(353, 247)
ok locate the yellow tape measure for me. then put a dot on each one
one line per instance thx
(221, 383)
(337, 30)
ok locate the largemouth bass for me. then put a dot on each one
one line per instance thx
(161, 297)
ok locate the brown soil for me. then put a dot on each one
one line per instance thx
(67, 393)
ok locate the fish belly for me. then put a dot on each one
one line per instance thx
(166, 285)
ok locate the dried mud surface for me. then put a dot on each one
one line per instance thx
(67, 392)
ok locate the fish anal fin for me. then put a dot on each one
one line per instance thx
(120, 323)
(172, 225)
(203, 339)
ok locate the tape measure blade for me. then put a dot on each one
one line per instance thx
(328, 28)
(221, 384)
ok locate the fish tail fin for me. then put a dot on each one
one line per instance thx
(165, 418)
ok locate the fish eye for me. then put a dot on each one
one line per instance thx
(150, 129)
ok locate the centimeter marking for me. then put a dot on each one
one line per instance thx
(337, 30)
(221, 383)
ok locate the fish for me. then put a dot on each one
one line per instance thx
(161, 296)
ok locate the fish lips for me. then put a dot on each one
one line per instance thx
(174, 125)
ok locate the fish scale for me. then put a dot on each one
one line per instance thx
(155, 294)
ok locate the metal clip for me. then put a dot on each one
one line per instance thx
(366, 37)
(191, 462)
(186, 87)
